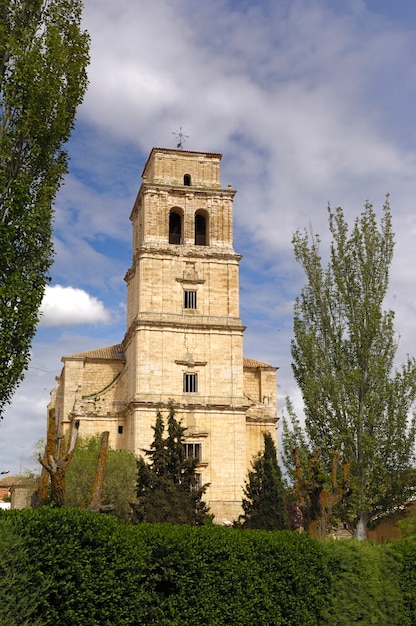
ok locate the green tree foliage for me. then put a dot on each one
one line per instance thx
(264, 503)
(43, 56)
(343, 352)
(167, 489)
(119, 486)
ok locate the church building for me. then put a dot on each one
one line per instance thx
(184, 336)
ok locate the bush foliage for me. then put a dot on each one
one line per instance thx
(119, 485)
(365, 584)
(78, 568)
(23, 585)
(407, 550)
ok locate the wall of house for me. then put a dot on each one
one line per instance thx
(22, 494)
(388, 529)
(92, 390)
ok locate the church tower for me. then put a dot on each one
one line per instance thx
(184, 337)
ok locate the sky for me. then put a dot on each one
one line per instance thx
(311, 102)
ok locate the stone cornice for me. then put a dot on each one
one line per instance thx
(182, 190)
(261, 419)
(190, 276)
(175, 321)
(190, 363)
(193, 432)
(185, 251)
(188, 405)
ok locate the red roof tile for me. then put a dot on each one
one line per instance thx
(111, 353)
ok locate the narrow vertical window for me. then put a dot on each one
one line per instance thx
(200, 230)
(190, 383)
(175, 228)
(187, 180)
(189, 299)
(193, 450)
(120, 430)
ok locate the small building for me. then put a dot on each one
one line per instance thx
(387, 528)
(22, 492)
(184, 335)
(6, 485)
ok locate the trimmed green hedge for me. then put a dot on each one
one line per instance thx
(407, 551)
(215, 575)
(97, 565)
(23, 585)
(94, 570)
(365, 585)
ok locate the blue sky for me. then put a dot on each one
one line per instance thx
(310, 102)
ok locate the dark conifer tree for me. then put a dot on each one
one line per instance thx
(167, 489)
(264, 503)
(158, 452)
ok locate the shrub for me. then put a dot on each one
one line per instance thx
(407, 550)
(214, 575)
(75, 567)
(365, 584)
(94, 562)
(23, 585)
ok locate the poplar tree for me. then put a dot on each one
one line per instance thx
(167, 489)
(356, 402)
(264, 503)
(43, 59)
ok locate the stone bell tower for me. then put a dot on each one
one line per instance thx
(185, 338)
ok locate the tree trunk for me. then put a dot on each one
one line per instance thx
(361, 526)
(97, 487)
(58, 486)
(50, 447)
(57, 463)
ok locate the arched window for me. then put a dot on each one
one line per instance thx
(201, 229)
(187, 180)
(175, 228)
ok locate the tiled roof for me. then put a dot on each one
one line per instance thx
(111, 353)
(253, 363)
(116, 352)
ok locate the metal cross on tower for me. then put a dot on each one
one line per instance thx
(181, 138)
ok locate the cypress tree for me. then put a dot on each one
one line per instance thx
(167, 489)
(264, 503)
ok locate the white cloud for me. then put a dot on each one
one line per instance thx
(296, 88)
(68, 306)
(310, 103)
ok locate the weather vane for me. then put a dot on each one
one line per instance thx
(181, 138)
